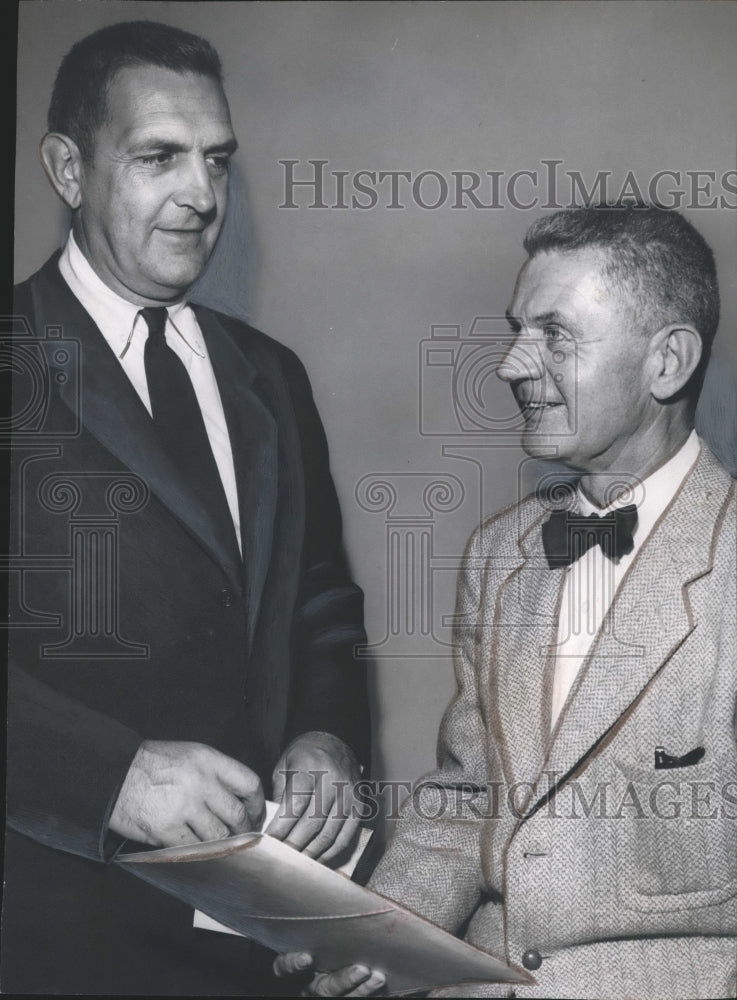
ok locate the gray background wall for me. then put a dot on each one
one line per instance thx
(639, 87)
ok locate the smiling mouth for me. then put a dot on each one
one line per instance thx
(537, 407)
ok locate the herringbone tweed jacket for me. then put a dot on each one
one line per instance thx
(620, 875)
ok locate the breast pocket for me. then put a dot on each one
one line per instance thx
(676, 834)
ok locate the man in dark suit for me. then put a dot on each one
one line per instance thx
(182, 620)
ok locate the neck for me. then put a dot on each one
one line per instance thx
(636, 462)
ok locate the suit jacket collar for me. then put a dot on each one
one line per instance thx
(112, 411)
(253, 439)
(650, 617)
(523, 633)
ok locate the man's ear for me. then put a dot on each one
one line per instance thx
(63, 165)
(676, 354)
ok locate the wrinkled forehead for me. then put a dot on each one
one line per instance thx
(563, 281)
(145, 96)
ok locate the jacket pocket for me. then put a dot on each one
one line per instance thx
(676, 835)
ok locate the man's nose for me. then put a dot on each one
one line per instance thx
(196, 190)
(522, 360)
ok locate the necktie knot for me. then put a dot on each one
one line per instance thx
(567, 536)
(155, 318)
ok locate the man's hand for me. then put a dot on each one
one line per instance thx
(351, 981)
(179, 793)
(313, 783)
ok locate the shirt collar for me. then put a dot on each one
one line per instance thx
(114, 315)
(653, 494)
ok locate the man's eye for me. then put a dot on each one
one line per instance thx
(552, 333)
(219, 164)
(156, 159)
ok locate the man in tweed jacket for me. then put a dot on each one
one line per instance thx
(582, 822)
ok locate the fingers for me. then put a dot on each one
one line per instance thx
(325, 837)
(293, 803)
(323, 833)
(245, 808)
(315, 812)
(375, 985)
(314, 821)
(345, 839)
(291, 963)
(278, 782)
(295, 818)
(245, 785)
(177, 793)
(174, 836)
(207, 826)
(241, 780)
(231, 811)
(353, 981)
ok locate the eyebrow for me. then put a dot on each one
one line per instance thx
(226, 148)
(544, 319)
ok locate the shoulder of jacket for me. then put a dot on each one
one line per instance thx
(506, 527)
(252, 340)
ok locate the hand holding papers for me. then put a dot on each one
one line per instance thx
(264, 889)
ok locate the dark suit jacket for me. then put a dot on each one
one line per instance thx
(132, 618)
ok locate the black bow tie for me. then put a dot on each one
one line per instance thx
(567, 536)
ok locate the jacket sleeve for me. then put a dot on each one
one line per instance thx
(433, 862)
(329, 680)
(66, 765)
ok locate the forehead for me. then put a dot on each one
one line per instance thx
(151, 99)
(565, 282)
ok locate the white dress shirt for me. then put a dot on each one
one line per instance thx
(592, 581)
(126, 332)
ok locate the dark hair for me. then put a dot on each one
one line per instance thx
(79, 99)
(654, 253)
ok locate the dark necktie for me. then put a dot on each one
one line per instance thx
(567, 536)
(178, 419)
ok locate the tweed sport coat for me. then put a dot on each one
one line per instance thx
(621, 877)
(191, 643)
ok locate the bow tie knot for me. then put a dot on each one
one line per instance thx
(567, 536)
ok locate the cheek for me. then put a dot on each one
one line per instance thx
(122, 219)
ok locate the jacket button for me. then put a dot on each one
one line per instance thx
(225, 598)
(532, 959)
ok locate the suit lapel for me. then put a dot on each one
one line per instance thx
(253, 438)
(526, 621)
(649, 619)
(113, 413)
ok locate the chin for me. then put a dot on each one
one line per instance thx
(175, 285)
(541, 445)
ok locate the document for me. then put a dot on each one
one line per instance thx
(260, 887)
(205, 923)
